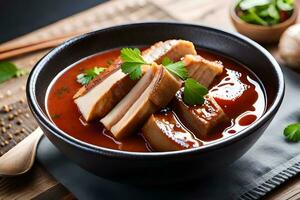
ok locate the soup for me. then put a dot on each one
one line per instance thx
(234, 101)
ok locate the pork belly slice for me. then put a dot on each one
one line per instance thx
(200, 119)
(173, 49)
(202, 70)
(122, 107)
(165, 133)
(158, 94)
(101, 98)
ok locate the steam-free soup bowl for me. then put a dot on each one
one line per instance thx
(156, 167)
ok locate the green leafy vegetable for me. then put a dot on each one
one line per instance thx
(292, 132)
(264, 12)
(178, 69)
(193, 92)
(89, 74)
(285, 5)
(166, 61)
(252, 17)
(247, 4)
(132, 62)
(9, 70)
(273, 12)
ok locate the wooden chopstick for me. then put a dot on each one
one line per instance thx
(17, 50)
(31, 48)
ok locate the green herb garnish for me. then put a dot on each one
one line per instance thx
(132, 62)
(166, 61)
(178, 69)
(89, 74)
(264, 12)
(193, 92)
(292, 132)
(9, 70)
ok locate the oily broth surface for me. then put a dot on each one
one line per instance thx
(236, 90)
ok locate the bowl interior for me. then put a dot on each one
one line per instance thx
(233, 46)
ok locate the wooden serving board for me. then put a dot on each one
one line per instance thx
(38, 184)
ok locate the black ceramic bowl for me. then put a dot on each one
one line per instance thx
(153, 167)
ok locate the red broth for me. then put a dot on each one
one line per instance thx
(237, 90)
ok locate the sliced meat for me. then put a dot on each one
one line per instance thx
(98, 97)
(121, 108)
(173, 49)
(199, 119)
(165, 133)
(158, 94)
(202, 70)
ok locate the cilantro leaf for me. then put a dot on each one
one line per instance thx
(132, 62)
(133, 69)
(166, 61)
(136, 73)
(178, 69)
(9, 70)
(292, 132)
(89, 74)
(193, 92)
(130, 55)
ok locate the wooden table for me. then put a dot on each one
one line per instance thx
(38, 183)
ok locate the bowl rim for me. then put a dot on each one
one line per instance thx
(47, 124)
(292, 19)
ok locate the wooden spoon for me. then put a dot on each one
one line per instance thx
(20, 159)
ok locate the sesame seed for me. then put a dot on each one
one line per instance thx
(5, 109)
(19, 122)
(10, 108)
(3, 130)
(11, 117)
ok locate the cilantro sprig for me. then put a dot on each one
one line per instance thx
(132, 59)
(9, 70)
(292, 132)
(89, 74)
(132, 62)
(178, 69)
(194, 92)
